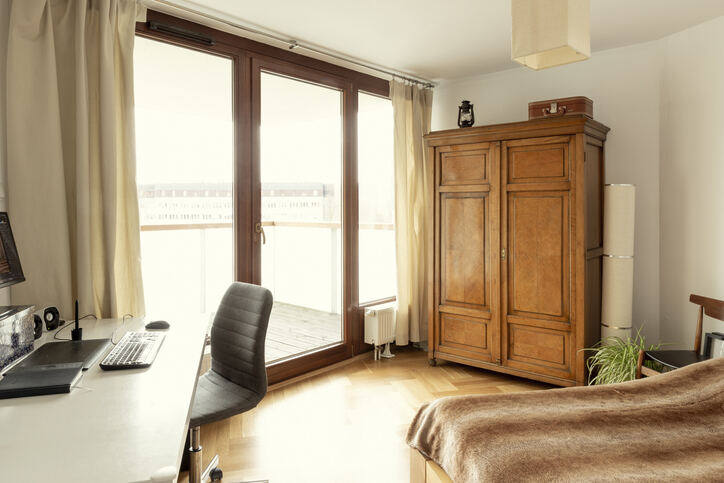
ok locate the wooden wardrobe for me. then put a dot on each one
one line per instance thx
(516, 246)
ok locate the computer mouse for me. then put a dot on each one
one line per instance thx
(158, 325)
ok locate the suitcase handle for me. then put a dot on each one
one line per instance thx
(560, 112)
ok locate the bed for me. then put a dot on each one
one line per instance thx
(662, 428)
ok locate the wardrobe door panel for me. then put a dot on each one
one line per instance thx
(464, 221)
(539, 348)
(538, 254)
(466, 167)
(465, 164)
(466, 336)
(538, 160)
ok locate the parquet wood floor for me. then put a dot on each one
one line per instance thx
(346, 425)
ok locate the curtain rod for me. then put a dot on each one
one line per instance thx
(293, 44)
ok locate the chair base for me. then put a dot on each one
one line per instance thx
(212, 470)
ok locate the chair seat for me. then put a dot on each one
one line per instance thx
(218, 398)
(676, 359)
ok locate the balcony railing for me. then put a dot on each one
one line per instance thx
(307, 224)
(301, 263)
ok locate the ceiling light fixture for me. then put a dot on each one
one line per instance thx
(547, 33)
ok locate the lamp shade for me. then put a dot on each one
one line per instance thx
(547, 33)
(619, 202)
(618, 219)
(616, 310)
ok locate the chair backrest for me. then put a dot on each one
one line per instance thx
(238, 336)
(711, 307)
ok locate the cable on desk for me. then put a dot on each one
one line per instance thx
(70, 323)
(123, 323)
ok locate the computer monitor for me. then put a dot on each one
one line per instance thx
(10, 270)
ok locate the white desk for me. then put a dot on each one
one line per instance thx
(114, 426)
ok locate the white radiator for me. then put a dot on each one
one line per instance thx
(380, 324)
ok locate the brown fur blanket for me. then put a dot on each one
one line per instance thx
(664, 428)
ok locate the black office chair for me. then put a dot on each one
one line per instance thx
(237, 380)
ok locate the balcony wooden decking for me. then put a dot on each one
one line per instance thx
(294, 329)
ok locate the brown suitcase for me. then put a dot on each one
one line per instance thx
(561, 107)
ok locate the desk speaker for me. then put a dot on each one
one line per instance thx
(38, 329)
(50, 317)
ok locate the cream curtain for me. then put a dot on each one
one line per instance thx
(71, 164)
(412, 107)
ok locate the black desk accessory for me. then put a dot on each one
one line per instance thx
(38, 380)
(77, 332)
(158, 325)
(37, 326)
(83, 351)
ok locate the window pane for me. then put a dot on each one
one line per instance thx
(376, 172)
(184, 150)
(301, 206)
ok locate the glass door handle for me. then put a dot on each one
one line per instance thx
(260, 229)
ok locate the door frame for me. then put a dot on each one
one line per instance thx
(310, 360)
(246, 55)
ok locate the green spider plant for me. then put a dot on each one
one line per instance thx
(614, 359)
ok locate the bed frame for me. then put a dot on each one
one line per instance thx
(423, 470)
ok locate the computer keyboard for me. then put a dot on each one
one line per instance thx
(134, 350)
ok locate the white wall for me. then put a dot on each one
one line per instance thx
(4, 21)
(624, 85)
(692, 177)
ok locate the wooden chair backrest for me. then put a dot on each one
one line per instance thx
(711, 307)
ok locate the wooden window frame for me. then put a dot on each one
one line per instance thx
(250, 58)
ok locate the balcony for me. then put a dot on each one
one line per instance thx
(189, 266)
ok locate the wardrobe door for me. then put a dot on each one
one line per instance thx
(467, 272)
(536, 254)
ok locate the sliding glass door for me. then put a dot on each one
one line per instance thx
(300, 170)
(247, 170)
